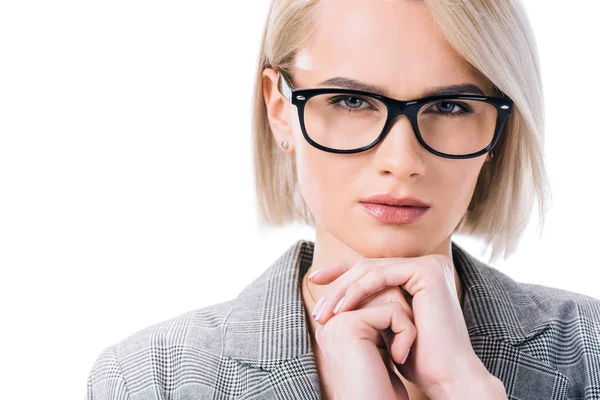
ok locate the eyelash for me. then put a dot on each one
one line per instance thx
(335, 102)
(465, 109)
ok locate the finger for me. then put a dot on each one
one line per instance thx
(321, 275)
(388, 295)
(410, 276)
(366, 324)
(325, 274)
(400, 332)
(329, 273)
(391, 294)
(335, 291)
(373, 281)
(370, 276)
(362, 281)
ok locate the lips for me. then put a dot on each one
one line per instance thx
(388, 199)
(395, 214)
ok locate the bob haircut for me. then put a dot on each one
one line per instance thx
(495, 38)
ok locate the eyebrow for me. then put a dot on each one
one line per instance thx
(353, 84)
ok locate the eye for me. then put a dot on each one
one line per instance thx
(449, 108)
(446, 106)
(349, 101)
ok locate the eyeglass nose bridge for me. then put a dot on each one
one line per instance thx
(396, 108)
(402, 107)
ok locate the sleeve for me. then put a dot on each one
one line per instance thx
(105, 380)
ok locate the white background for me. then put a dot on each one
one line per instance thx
(126, 186)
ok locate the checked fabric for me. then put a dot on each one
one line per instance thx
(543, 343)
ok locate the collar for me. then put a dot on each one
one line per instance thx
(268, 326)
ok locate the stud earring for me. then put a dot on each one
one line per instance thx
(491, 154)
(284, 144)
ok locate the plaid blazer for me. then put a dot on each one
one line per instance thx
(541, 342)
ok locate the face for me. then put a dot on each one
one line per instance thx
(395, 45)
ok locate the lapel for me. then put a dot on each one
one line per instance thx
(509, 332)
(267, 329)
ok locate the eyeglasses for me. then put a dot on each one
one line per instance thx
(349, 121)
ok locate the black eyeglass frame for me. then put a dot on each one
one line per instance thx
(395, 108)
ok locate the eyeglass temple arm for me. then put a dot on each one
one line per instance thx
(284, 86)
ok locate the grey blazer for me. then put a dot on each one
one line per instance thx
(541, 342)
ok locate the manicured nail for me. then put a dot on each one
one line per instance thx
(314, 273)
(320, 313)
(316, 308)
(339, 305)
(406, 356)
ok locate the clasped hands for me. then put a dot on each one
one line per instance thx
(403, 310)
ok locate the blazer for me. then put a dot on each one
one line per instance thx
(541, 342)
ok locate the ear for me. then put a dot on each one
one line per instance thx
(277, 109)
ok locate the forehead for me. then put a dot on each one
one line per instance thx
(392, 43)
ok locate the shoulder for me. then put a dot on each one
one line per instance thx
(575, 317)
(571, 341)
(560, 305)
(186, 347)
(564, 308)
(551, 333)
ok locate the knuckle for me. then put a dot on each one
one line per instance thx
(362, 266)
(397, 307)
(394, 291)
(379, 276)
(356, 291)
(337, 324)
(332, 290)
(411, 331)
(400, 309)
(395, 294)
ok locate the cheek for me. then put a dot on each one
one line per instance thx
(458, 180)
(324, 179)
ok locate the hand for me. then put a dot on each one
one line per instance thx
(359, 365)
(441, 355)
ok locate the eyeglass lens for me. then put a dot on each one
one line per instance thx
(347, 121)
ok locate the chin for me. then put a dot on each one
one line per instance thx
(384, 244)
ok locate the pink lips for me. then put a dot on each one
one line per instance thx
(386, 198)
(387, 208)
(395, 214)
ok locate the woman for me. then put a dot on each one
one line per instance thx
(388, 126)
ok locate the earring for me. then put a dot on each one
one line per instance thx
(491, 154)
(284, 144)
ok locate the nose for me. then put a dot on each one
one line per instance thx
(400, 152)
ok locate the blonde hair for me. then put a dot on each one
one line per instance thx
(496, 39)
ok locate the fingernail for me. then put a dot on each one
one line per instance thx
(339, 305)
(406, 356)
(316, 308)
(320, 313)
(314, 273)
